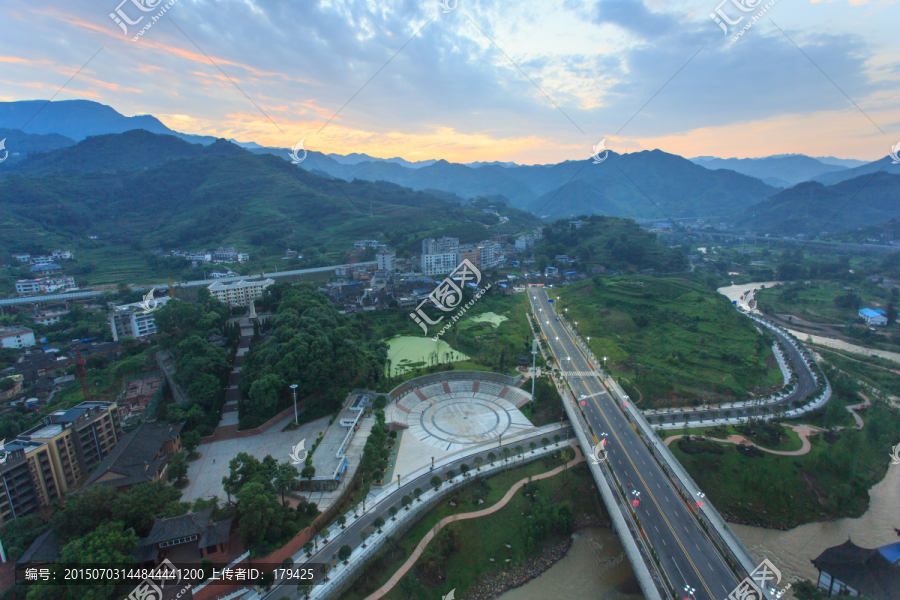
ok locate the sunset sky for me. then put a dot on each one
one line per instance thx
(450, 92)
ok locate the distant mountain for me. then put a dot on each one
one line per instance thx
(78, 119)
(356, 158)
(20, 144)
(807, 207)
(885, 164)
(841, 162)
(134, 150)
(479, 163)
(141, 191)
(783, 170)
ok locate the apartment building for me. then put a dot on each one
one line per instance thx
(51, 459)
(439, 257)
(240, 293)
(16, 337)
(386, 260)
(132, 320)
(45, 284)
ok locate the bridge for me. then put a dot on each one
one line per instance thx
(678, 545)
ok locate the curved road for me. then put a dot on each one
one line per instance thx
(351, 534)
(685, 552)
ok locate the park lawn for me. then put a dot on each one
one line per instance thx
(790, 442)
(676, 341)
(815, 301)
(830, 482)
(504, 525)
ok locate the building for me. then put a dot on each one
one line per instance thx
(225, 255)
(444, 245)
(45, 284)
(10, 386)
(45, 268)
(243, 257)
(132, 320)
(439, 264)
(470, 252)
(61, 254)
(186, 539)
(23, 258)
(142, 456)
(386, 260)
(29, 481)
(873, 316)
(239, 293)
(848, 570)
(16, 337)
(49, 317)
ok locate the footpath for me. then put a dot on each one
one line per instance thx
(420, 548)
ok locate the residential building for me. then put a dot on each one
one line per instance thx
(225, 255)
(848, 570)
(141, 456)
(439, 264)
(575, 224)
(16, 337)
(45, 284)
(23, 258)
(240, 293)
(45, 268)
(49, 317)
(491, 255)
(470, 252)
(61, 254)
(243, 257)
(873, 316)
(386, 260)
(444, 245)
(202, 256)
(132, 320)
(41, 260)
(29, 481)
(10, 386)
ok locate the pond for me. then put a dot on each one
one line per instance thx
(493, 318)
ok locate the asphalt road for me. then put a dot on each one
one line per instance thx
(686, 554)
(351, 534)
(806, 385)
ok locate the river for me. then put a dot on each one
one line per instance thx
(595, 568)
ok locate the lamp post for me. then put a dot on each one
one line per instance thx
(294, 389)
(533, 364)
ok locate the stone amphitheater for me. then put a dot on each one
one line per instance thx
(461, 410)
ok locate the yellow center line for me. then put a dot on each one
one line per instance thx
(647, 487)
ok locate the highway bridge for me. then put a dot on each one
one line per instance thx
(693, 559)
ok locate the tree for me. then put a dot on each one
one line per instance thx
(305, 589)
(259, 511)
(308, 548)
(519, 449)
(378, 523)
(405, 501)
(492, 457)
(477, 460)
(326, 568)
(464, 469)
(416, 493)
(533, 446)
(435, 482)
(556, 439)
(178, 469)
(83, 512)
(190, 441)
(137, 506)
(545, 442)
(393, 512)
(308, 472)
(506, 454)
(451, 474)
(341, 520)
(285, 476)
(325, 533)
(344, 553)
(363, 535)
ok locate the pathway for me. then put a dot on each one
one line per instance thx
(855, 407)
(396, 577)
(804, 431)
(841, 345)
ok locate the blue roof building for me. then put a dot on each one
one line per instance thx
(873, 316)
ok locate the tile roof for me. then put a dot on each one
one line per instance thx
(135, 458)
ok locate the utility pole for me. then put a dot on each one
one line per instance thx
(293, 389)
(533, 365)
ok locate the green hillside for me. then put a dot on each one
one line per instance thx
(609, 242)
(674, 342)
(219, 195)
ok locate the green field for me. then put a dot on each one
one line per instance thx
(830, 482)
(822, 301)
(461, 553)
(676, 342)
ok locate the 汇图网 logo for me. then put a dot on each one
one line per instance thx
(149, 303)
(298, 453)
(293, 154)
(598, 454)
(895, 154)
(601, 147)
(448, 7)
(752, 586)
(895, 455)
(448, 295)
(3, 147)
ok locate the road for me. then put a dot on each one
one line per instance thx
(351, 534)
(687, 555)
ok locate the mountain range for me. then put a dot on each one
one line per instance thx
(642, 185)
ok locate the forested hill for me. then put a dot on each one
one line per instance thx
(155, 191)
(609, 242)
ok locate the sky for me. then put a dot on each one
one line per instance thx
(468, 80)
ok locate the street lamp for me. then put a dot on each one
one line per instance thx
(294, 389)
(690, 591)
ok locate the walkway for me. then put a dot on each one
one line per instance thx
(855, 407)
(396, 577)
(804, 431)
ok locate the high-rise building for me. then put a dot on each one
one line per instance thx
(439, 257)
(386, 260)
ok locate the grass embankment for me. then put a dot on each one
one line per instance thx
(831, 481)
(771, 436)
(821, 301)
(877, 372)
(677, 342)
(462, 551)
